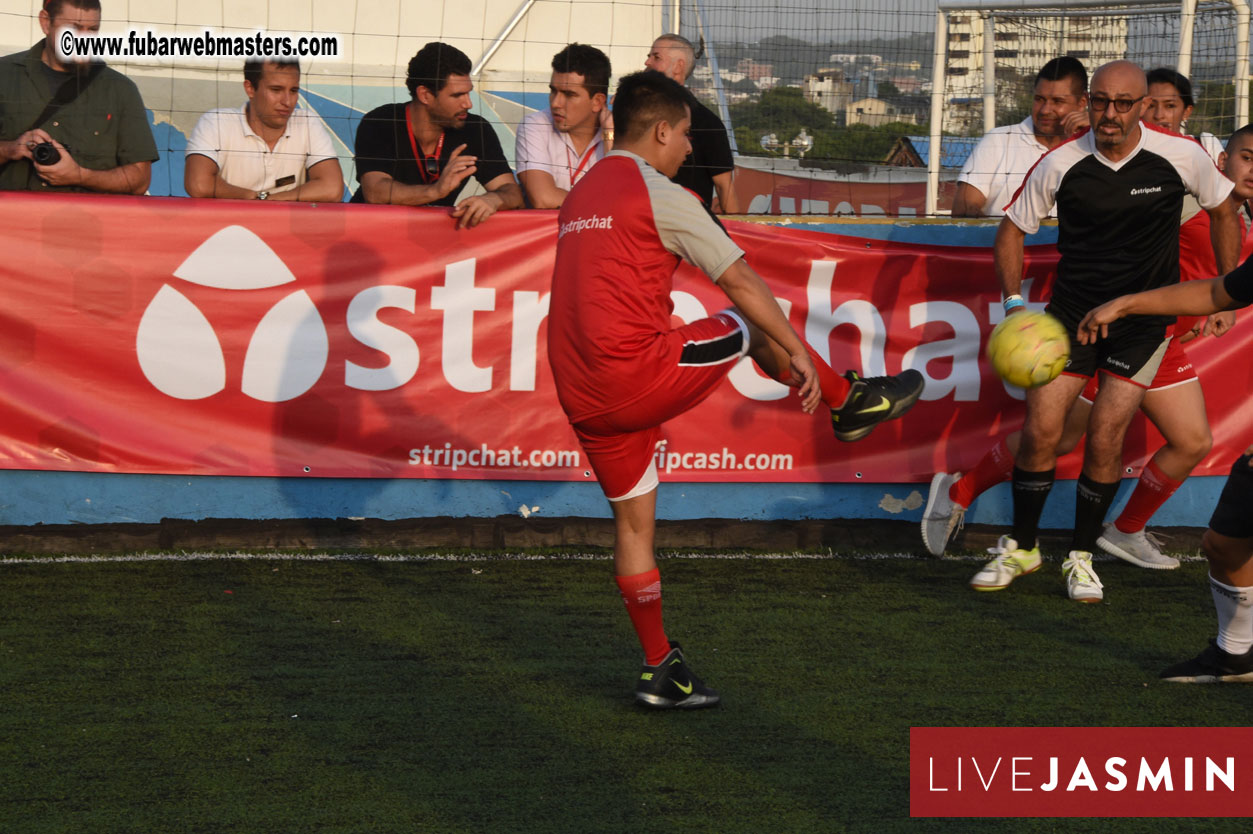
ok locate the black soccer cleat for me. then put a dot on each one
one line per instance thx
(1212, 666)
(671, 685)
(874, 400)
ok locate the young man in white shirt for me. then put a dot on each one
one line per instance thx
(557, 146)
(996, 167)
(267, 149)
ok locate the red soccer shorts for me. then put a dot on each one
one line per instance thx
(620, 444)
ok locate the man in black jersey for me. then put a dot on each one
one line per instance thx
(1119, 189)
(421, 152)
(1228, 543)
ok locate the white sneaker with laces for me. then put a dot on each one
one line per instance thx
(1010, 563)
(943, 517)
(1139, 548)
(1082, 583)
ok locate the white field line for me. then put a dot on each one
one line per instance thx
(474, 557)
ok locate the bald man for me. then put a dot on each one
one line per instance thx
(710, 166)
(1119, 189)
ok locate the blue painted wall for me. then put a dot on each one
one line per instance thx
(28, 497)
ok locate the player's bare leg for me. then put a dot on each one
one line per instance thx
(635, 524)
(950, 495)
(1229, 656)
(665, 682)
(1017, 554)
(1179, 414)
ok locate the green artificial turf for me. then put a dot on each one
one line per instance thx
(494, 696)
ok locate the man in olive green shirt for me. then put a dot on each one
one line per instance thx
(102, 136)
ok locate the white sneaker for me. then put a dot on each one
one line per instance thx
(1139, 548)
(1010, 563)
(943, 517)
(1082, 583)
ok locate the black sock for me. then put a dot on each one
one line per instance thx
(1031, 490)
(1092, 501)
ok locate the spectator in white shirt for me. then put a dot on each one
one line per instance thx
(557, 146)
(999, 163)
(267, 149)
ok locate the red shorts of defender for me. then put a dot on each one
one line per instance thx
(620, 444)
(1176, 369)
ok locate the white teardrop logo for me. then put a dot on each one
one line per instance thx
(178, 351)
(234, 258)
(288, 351)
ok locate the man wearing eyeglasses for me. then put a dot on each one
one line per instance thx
(1119, 189)
(997, 165)
(421, 152)
(557, 146)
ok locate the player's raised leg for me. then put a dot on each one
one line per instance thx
(857, 404)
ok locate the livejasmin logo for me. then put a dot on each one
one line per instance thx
(1080, 771)
(1028, 773)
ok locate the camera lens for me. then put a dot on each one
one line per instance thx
(46, 153)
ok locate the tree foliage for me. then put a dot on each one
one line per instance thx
(784, 111)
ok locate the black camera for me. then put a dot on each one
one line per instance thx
(45, 153)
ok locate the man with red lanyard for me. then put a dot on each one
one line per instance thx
(557, 146)
(422, 152)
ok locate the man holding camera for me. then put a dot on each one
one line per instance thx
(71, 125)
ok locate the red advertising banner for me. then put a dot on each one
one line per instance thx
(161, 335)
(1080, 771)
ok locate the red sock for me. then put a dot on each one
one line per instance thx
(834, 387)
(642, 595)
(1151, 491)
(996, 467)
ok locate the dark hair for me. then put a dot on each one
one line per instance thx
(645, 98)
(1065, 67)
(254, 68)
(1247, 130)
(432, 65)
(53, 7)
(1166, 75)
(587, 61)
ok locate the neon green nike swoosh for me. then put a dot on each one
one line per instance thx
(883, 405)
(686, 690)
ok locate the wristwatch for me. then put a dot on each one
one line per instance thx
(263, 195)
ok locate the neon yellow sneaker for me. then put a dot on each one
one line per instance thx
(1010, 563)
(670, 685)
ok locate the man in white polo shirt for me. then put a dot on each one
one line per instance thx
(266, 149)
(998, 164)
(557, 146)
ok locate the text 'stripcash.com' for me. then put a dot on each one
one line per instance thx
(1080, 771)
(152, 46)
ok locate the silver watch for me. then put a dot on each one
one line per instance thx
(263, 195)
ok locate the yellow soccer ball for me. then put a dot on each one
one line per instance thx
(1028, 349)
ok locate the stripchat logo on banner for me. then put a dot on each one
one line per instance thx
(1080, 771)
(180, 353)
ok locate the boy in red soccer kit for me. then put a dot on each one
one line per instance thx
(621, 370)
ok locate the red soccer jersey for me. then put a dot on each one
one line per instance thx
(1196, 258)
(623, 230)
